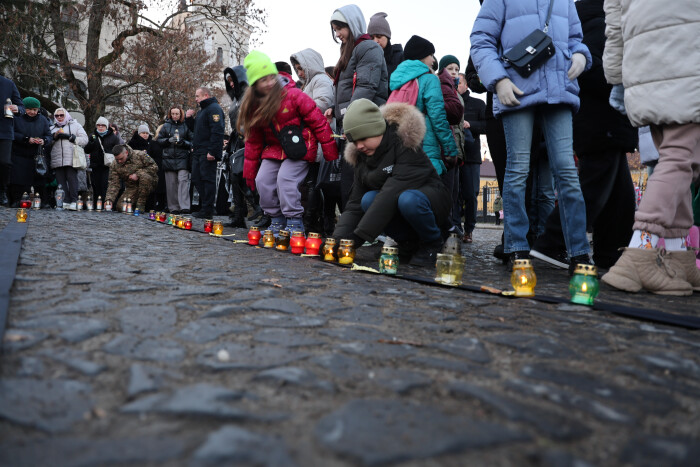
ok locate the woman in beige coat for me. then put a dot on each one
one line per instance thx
(652, 57)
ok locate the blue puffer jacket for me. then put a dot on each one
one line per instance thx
(430, 102)
(501, 24)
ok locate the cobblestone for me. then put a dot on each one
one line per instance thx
(134, 343)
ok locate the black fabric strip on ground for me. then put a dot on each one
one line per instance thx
(10, 247)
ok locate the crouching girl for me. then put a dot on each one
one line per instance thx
(396, 189)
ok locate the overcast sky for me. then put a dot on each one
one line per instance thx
(294, 26)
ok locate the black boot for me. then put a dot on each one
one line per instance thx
(4, 184)
(252, 199)
(237, 218)
(426, 255)
(264, 222)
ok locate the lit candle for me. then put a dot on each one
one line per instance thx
(36, 203)
(313, 244)
(254, 236)
(25, 202)
(21, 215)
(389, 260)
(297, 243)
(208, 225)
(584, 284)
(80, 204)
(218, 228)
(108, 205)
(170, 219)
(443, 269)
(188, 223)
(346, 252)
(152, 215)
(523, 278)
(329, 250)
(181, 223)
(283, 240)
(98, 205)
(268, 239)
(129, 206)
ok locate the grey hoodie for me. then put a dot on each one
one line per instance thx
(317, 84)
(354, 18)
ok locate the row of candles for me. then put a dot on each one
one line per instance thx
(583, 287)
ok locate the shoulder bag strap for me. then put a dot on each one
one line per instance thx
(549, 16)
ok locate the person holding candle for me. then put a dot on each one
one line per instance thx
(8, 92)
(396, 189)
(176, 140)
(137, 171)
(102, 141)
(66, 133)
(268, 110)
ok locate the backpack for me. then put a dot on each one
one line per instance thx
(407, 93)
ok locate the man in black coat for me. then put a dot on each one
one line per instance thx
(602, 137)
(208, 145)
(8, 91)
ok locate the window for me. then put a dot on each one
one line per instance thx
(219, 56)
(71, 23)
(224, 10)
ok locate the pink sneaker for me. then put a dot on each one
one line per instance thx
(693, 242)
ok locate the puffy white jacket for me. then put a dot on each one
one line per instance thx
(62, 149)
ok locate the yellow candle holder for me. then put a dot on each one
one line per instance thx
(449, 269)
(523, 278)
(218, 228)
(283, 240)
(181, 222)
(329, 250)
(346, 252)
(21, 215)
(268, 239)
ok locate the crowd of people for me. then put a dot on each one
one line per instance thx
(390, 137)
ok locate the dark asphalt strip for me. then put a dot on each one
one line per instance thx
(10, 247)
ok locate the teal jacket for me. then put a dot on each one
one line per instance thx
(432, 105)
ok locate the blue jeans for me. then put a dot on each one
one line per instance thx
(542, 199)
(556, 122)
(415, 218)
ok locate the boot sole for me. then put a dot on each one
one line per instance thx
(621, 282)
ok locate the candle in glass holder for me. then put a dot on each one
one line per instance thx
(25, 202)
(346, 252)
(152, 215)
(584, 284)
(89, 205)
(170, 219)
(208, 225)
(79, 204)
(21, 215)
(108, 205)
(283, 240)
(389, 260)
(188, 223)
(329, 250)
(181, 222)
(523, 278)
(217, 228)
(313, 244)
(268, 239)
(297, 242)
(129, 206)
(254, 236)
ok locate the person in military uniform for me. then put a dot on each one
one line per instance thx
(207, 149)
(138, 172)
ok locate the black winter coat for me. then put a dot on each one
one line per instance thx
(209, 129)
(176, 156)
(398, 164)
(23, 152)
(393, 55)
(97, 156)
(596, 124)
(475, 114)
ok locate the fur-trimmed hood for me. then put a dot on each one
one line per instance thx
(409, 123)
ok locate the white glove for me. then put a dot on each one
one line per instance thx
(506, 91)
(578, 64)
(617, 98)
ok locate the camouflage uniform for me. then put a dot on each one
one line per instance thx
(138, 163)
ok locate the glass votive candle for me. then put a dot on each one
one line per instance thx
(283, 240)
(208, 225)
(254, 236)
(443, 269)
(313, 244)
(584, 284)
(152, 215)
(188, 223)
(169, 220)
(180, 222)
(25, 202)
(329, 250)
(217, 228)
(389, 260)
(21, 215)
(523, 278)
(346, 252)
(297, 243)
(268, 239)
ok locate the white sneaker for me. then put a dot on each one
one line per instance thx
(71, 206)
(390, 241)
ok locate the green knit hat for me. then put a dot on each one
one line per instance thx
(363, 120)
(258, 65)
(448, 60)
(31, 103)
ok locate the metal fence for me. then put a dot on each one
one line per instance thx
(487, 196)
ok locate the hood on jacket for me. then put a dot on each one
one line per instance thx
(240, 82)
(406, 71)
(286, 80)
(409, 124)
(355, 19)
(311, 62)
(66, 120)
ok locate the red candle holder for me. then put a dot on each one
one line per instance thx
(208, 226)
(188, 223)
(297, 242)
(313, 244)
(254, 236)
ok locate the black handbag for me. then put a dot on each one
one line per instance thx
(236, 162)
(39, 163)
(292, 141)
(533, 51)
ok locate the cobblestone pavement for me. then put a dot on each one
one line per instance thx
(131, 342)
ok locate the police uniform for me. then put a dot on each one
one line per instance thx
(209, 132)
(141, 164)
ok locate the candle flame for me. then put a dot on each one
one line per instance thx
(584, 288)
(523, 279)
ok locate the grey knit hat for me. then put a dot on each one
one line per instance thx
(378, 25)
(102, 121)
(363, 120)
(143, 129)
